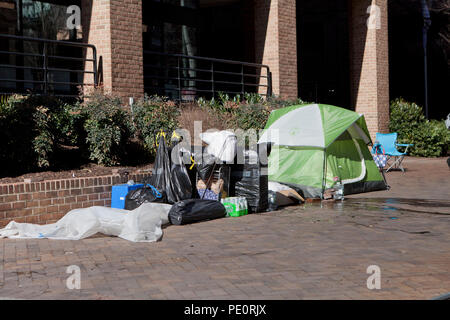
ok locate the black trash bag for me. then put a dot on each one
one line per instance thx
(139, 196)
(250, 180)
(160, 178)
(195, 210)
(172, 178)
(205, 166)
(181, 183)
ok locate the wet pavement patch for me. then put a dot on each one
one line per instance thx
(441, 207)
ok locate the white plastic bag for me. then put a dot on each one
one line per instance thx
(221, 144)
(277, 187)
(141, 224)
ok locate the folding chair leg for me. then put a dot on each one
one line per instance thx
(397, 164)
(390, 165)
(388, 187)
(400, 160)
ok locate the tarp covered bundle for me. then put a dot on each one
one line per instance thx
(315, 144)
(140, 225)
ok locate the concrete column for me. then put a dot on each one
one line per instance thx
(370, 62)
(115, 28)
(276, 43)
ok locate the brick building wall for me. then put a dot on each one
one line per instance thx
(115, 28)
(48, 201)
(127, 53)
(370, 63)
(276, 43)
(95, 19)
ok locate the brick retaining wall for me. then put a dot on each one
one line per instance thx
(47, 201)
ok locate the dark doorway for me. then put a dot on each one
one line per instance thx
(222, 30)
(323, 52)
(203, 28)
(406, 56)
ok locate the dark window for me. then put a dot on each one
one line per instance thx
(38, 19)
(323, 52)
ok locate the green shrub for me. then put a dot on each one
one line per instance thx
(152, 114)
(405, 118)
(250, 116)
(55, 126)
(16, 135)
(430, 137)
(249, 111)
(33, 128)
(108, 128)
(39, 132)
(43, 142)
(278, 103)
(223, 104)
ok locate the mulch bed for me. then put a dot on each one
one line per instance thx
(90, 170)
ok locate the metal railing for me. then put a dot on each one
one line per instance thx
(37, 66)
(183, 77)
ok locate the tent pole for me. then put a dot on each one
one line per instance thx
(324, 171)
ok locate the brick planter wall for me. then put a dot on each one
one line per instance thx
(48, 201)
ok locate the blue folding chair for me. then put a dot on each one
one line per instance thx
(389, 143)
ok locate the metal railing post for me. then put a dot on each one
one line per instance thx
(45, 69)
(269, 83)
(94, 57)
(179, 79)
(212, 79)
(242, 80)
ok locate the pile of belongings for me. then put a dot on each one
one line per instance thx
(212, 171)
(281, 195)
(195, 197)
(311, 147)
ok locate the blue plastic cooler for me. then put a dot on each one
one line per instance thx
(119, 192)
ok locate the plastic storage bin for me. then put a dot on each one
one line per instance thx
(119, 192)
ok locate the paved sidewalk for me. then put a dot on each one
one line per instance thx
(313, 251)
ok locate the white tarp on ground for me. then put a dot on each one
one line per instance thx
(142, 224)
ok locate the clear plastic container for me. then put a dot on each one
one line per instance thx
(339, 193)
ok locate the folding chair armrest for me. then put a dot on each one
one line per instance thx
(406, 145)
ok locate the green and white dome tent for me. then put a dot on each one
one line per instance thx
(313, 144)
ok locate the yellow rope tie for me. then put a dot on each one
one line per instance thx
(175, 136)
(160, 133)
(193, 163)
